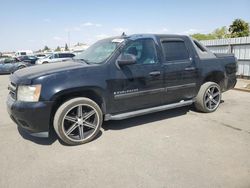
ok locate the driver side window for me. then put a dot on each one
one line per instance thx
(144, 50)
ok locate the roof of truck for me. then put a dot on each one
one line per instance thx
(137, 36)
(142, 36)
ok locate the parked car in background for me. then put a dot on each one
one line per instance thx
(40, 56)
(56, 57)
(29, 59)
(23, 52)
(9, 65)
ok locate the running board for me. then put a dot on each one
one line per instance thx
(147, 111)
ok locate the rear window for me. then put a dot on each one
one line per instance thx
(175, 50)
(23, 53)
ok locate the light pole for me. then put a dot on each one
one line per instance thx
(69, 39)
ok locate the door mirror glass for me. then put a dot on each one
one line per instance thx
(126, 59)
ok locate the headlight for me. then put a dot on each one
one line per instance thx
(29, 93)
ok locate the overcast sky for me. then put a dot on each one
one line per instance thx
(31, 24)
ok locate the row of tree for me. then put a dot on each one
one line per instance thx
(58, 49)
(239, 28)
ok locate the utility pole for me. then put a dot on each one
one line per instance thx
(69, 39)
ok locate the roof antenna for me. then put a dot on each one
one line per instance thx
(123, 34)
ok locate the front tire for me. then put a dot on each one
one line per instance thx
(78, 121)
(208, 98)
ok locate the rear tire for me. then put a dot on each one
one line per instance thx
(78, 121)
(45, 62)
(208, 98)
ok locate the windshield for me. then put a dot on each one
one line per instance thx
(99, 52)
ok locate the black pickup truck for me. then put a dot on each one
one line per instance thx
(118, 78)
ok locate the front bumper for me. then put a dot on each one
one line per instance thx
(33, 117)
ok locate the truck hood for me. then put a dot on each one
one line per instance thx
(25, 75)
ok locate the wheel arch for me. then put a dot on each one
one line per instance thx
(217, 77)
(93, 93)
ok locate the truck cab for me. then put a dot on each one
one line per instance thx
(165, 71)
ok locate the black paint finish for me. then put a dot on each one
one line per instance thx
(121, 89)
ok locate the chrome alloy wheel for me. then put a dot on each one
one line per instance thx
(212, 98)
(80, 122)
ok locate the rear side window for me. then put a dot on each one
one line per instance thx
(66, 55)
(62, 55)
(175, 50)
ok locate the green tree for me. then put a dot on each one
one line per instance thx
(46, 48)
(239, 28)
(200, 36)
(58, 49)
(221, 33)
(218, 33)
(66, 47)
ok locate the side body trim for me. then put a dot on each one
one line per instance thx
(152, 91)
(181, 86)
(147, 111)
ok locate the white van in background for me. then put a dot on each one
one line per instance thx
(23, 52)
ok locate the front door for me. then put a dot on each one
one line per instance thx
(139, 85)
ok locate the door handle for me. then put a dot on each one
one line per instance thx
(189, 68)
(155, 73)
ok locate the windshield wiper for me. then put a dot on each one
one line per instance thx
(85, 61)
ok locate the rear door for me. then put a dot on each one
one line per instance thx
(180, 70)
(53, 58)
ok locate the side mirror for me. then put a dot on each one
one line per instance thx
(126, 59)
